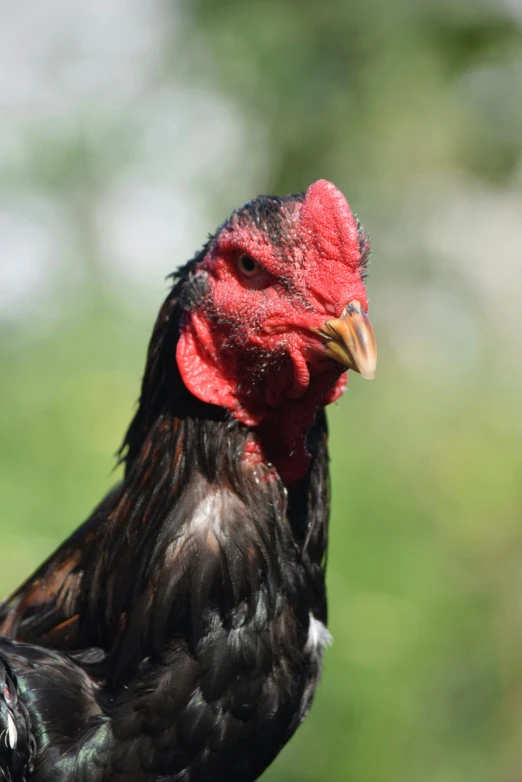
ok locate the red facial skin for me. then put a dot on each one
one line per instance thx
(247, 346)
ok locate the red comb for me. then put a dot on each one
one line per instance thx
(328, 225)
(329, 231)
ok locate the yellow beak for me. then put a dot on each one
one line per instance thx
(351, 341)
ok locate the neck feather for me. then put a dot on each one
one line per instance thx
(281, 432)
(184, 459)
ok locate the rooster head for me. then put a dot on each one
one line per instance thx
(276, 309)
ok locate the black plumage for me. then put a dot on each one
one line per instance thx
(178, 634)
(203, 667)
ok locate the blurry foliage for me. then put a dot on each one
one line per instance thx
(334, 80)
(424, 680)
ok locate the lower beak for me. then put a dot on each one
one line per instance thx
(350, 340)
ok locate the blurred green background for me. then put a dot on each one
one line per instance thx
(129, 130)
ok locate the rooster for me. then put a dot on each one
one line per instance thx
(178, 634)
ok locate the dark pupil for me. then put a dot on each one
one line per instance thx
(248, 263)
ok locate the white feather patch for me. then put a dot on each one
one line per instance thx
(12, 733)
(318, 636)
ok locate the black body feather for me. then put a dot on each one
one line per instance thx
(180, 610)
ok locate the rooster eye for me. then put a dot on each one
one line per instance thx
(247, 266)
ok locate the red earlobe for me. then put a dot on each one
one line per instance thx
(203, 368)
(197, 364)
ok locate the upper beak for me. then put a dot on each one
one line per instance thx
(351, 341)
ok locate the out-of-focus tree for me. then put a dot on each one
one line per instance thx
(369, 91)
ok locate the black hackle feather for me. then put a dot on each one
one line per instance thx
(167, 639)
